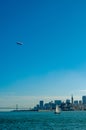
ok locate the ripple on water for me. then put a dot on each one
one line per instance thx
(43, 121)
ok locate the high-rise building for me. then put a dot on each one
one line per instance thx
(80, 102)
(47, 106)
(84, 99)
(41, 104)
(68, 101)
(58, 102)
(76, 102)
(72, 99)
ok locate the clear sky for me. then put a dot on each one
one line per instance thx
(52, 60)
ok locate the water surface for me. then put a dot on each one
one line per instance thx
(43, 121)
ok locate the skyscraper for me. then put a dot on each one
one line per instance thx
(57, 102)
(84, 99)
(72, 99)
(41, 103)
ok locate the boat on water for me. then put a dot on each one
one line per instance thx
(58, 110)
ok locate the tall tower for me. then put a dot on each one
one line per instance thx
(16, 106)
(72, 99)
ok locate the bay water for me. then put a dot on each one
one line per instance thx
(67, 120)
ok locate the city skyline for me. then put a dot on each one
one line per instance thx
(41, 103)
(51, 63)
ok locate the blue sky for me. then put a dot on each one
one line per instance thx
(52, 60)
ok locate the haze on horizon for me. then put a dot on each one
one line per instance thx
(52, 61)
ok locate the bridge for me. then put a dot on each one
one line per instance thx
(14, 108)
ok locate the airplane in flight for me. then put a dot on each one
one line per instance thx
(19, 43)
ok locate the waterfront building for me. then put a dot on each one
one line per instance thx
(76, 102)
(67, 101)
(84, 100)
(53, 106)
(47, 106)
(80, 102)
(58, 102)
(41, 104)
(37, 106)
